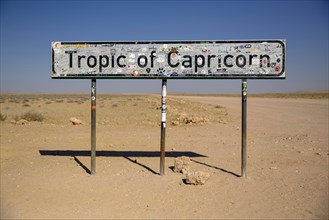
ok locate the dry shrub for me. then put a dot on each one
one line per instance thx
(3, 117)
(31, 116)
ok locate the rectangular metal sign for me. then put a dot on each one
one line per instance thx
(245, 59)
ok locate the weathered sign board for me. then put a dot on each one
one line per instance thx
(246, 59)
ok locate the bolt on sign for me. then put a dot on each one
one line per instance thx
(245, 59)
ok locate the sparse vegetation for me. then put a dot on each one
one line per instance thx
(16, 118)
(30, 116)
(3, 117)
(219, 106)
(289, 95)
(115, 109)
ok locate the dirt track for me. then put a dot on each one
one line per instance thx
(44, 166)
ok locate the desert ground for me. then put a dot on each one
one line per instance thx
(45, 162)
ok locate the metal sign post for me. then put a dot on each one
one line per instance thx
(244, 129)
(163, 126)
(93, 126)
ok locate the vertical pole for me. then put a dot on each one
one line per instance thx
(244, 129)
(93, 126)
(163, 126)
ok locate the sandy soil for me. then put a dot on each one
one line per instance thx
(45, 165)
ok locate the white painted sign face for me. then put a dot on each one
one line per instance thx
(261, 59)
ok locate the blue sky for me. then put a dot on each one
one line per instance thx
(28, 28)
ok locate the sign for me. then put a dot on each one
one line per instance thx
(246, 59)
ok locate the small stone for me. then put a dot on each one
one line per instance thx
(182, 164)
(13, 122)
(75, 121)
(175, 123)
(196, 119)
(21, 122)
(197, 178)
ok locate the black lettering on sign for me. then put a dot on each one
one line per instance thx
(250, 58)
(152, 57)
(118, 61)
(142, 61)
(112, 61)
(79, 60)
(241, 61)
(101, 63)
(264, 61)
(71, 56)
(94, 62)
(199, 62)
(187, 63)
(169, 59)
(225, 61)
(209, 59)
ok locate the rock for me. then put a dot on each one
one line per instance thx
(182, 118)
(196, 119)
(185, 119)
(182, 164)
(175, 123)
(13, 122)
(197, 178)
(21, 122)
(75, 121)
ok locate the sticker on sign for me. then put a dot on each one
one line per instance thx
(245, 59)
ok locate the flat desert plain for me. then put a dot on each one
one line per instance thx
(45, 164)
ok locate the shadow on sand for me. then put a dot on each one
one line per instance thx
(124, 154)
(217, 168)
(127, 155)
